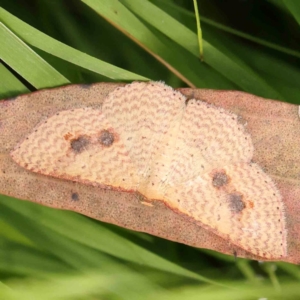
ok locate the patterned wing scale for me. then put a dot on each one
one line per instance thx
(237, 206)
(76, 145)
(193, 156)
(147, 116)
(212, 181)
(208, 137)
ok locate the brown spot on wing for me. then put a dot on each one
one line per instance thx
(220, 179)
(106, 138)
(236, 203)
(79, 144)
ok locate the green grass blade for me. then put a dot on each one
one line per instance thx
(23, 260)
(294, 7)
(72, 253)
(117, 283)
(10, 86)
(199, 30)
(45, 43)
(240, 74)
(93, 237)
(290, 291)
(188, 17)
(180, 62)
(26, 62)
(251, 38)
(277, 70)
(293, 270)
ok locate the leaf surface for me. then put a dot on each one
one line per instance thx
(273, 125)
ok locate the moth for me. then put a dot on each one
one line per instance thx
(193, 156)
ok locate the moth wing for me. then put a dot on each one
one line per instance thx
(147, 116)
(72, 145)
(208, 138)
(212, 181)
(247, 210)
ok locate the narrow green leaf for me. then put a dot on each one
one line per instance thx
(74, 254)
(291, 269)
(187, 18)
(199, 30)
(43, 42)
(9, 85)
(251, 38)
(26, 62)
(294, 8)
(185, 66)
(87, 232)
(21, 259)
(240, 74)
(117, 283)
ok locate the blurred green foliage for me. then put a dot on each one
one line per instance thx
(248, 45)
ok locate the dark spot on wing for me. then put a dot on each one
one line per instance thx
(236, 203)
(78, 145)
(75, 197)
(220, 179)
(106, 138)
